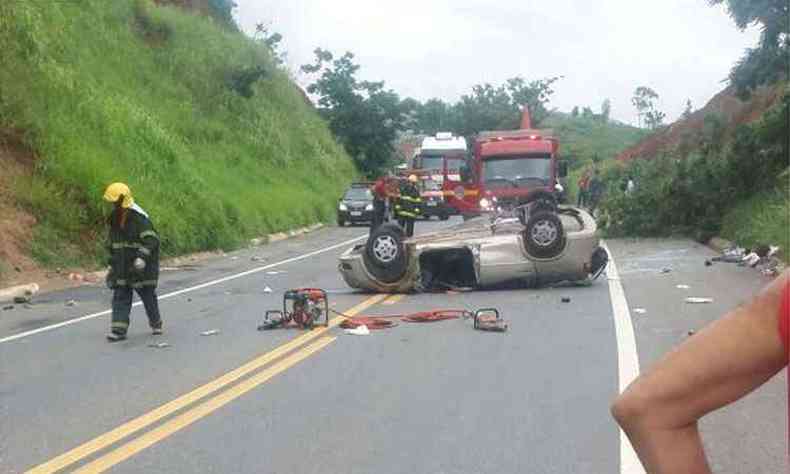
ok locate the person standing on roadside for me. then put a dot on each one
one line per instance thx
(583, 184)
(595, 190)
(134, 261)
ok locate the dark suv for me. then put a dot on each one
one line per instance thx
(356, 205)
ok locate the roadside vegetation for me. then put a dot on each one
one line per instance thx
(725, 177)
(216, 142)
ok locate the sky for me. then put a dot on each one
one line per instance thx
(683, 49)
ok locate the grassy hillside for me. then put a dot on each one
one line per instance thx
(155, 96)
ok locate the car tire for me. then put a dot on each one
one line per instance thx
(341, 223)
(385, 254)
(544, 236)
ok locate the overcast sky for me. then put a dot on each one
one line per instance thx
(436, 48)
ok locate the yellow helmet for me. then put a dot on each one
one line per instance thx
(115, 191)
(413, 178)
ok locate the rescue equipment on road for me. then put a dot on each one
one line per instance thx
(303, 308)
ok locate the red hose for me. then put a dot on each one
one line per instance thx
(384, 322)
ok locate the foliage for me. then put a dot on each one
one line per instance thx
(644, 101)
(100, 103)
(694, 192)
(767, 63)
(606, 110)
(364, 116)
(272, 41)
(763, 219)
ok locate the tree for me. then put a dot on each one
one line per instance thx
(654, 119)
(363, 116)
(222, 10)
(606, 110)
(688, 110)
(535, 95)
(767, 62)
(271, 40)
(575, 111)
(643, 101)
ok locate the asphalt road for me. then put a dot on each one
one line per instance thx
(421, 398)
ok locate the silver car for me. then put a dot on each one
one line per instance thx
(537, 246)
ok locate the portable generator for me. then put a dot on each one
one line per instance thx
(303, 308)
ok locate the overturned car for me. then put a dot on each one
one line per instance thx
(536, 246)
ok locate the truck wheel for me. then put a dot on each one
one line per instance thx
(385, 254)
(544, 236)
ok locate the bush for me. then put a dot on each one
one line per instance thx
(692, 194)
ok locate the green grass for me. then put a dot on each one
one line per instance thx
(123, 90)
(763, 219)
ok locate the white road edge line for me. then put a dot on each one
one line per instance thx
(185, 290)
(627, 357)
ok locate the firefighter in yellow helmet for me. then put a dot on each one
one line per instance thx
(134, 261)
(408, 206)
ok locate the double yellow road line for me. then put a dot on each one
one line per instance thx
(317, 339)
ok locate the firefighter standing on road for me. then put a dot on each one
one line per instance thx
(134, 261)
(408, 207)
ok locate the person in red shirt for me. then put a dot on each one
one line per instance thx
(383, 189)
(725, 361)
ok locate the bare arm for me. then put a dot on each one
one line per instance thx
(720, 364)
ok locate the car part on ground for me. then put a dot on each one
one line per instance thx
(535, 247)
(309, 307)
(386, 322)
(489, 320)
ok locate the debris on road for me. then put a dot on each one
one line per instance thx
(489, 320)
(256, 258)
(21, 299)
(640, 311)
(274, 273)
(666, 270)
(159, 345)
(268, 290)
(8, 308)
(708, 263)
(691, 332)
(360, 330)
(71, 303)
(696, 300)
(566, 299)
(210, 332)
(682, 287)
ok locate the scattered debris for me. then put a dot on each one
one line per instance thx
(360, 330)
(71, 303)
(8, 308)
(691, 332)
(640, 311)
(76, 277)
(159, 345)
(489, 320)
(210, 332)
(666, 270)
(21, 299)
(566, 299)
(682, 287)
(256, 258)
(708, 263)
(234, 258)
(696, 300)
(268, 290)
(274, 273)
(751, 260)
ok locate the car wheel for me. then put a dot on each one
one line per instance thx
(544, 236)
(341, 223)
(385, 254)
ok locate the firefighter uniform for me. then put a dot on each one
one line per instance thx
(134, 261)
(408, 206)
